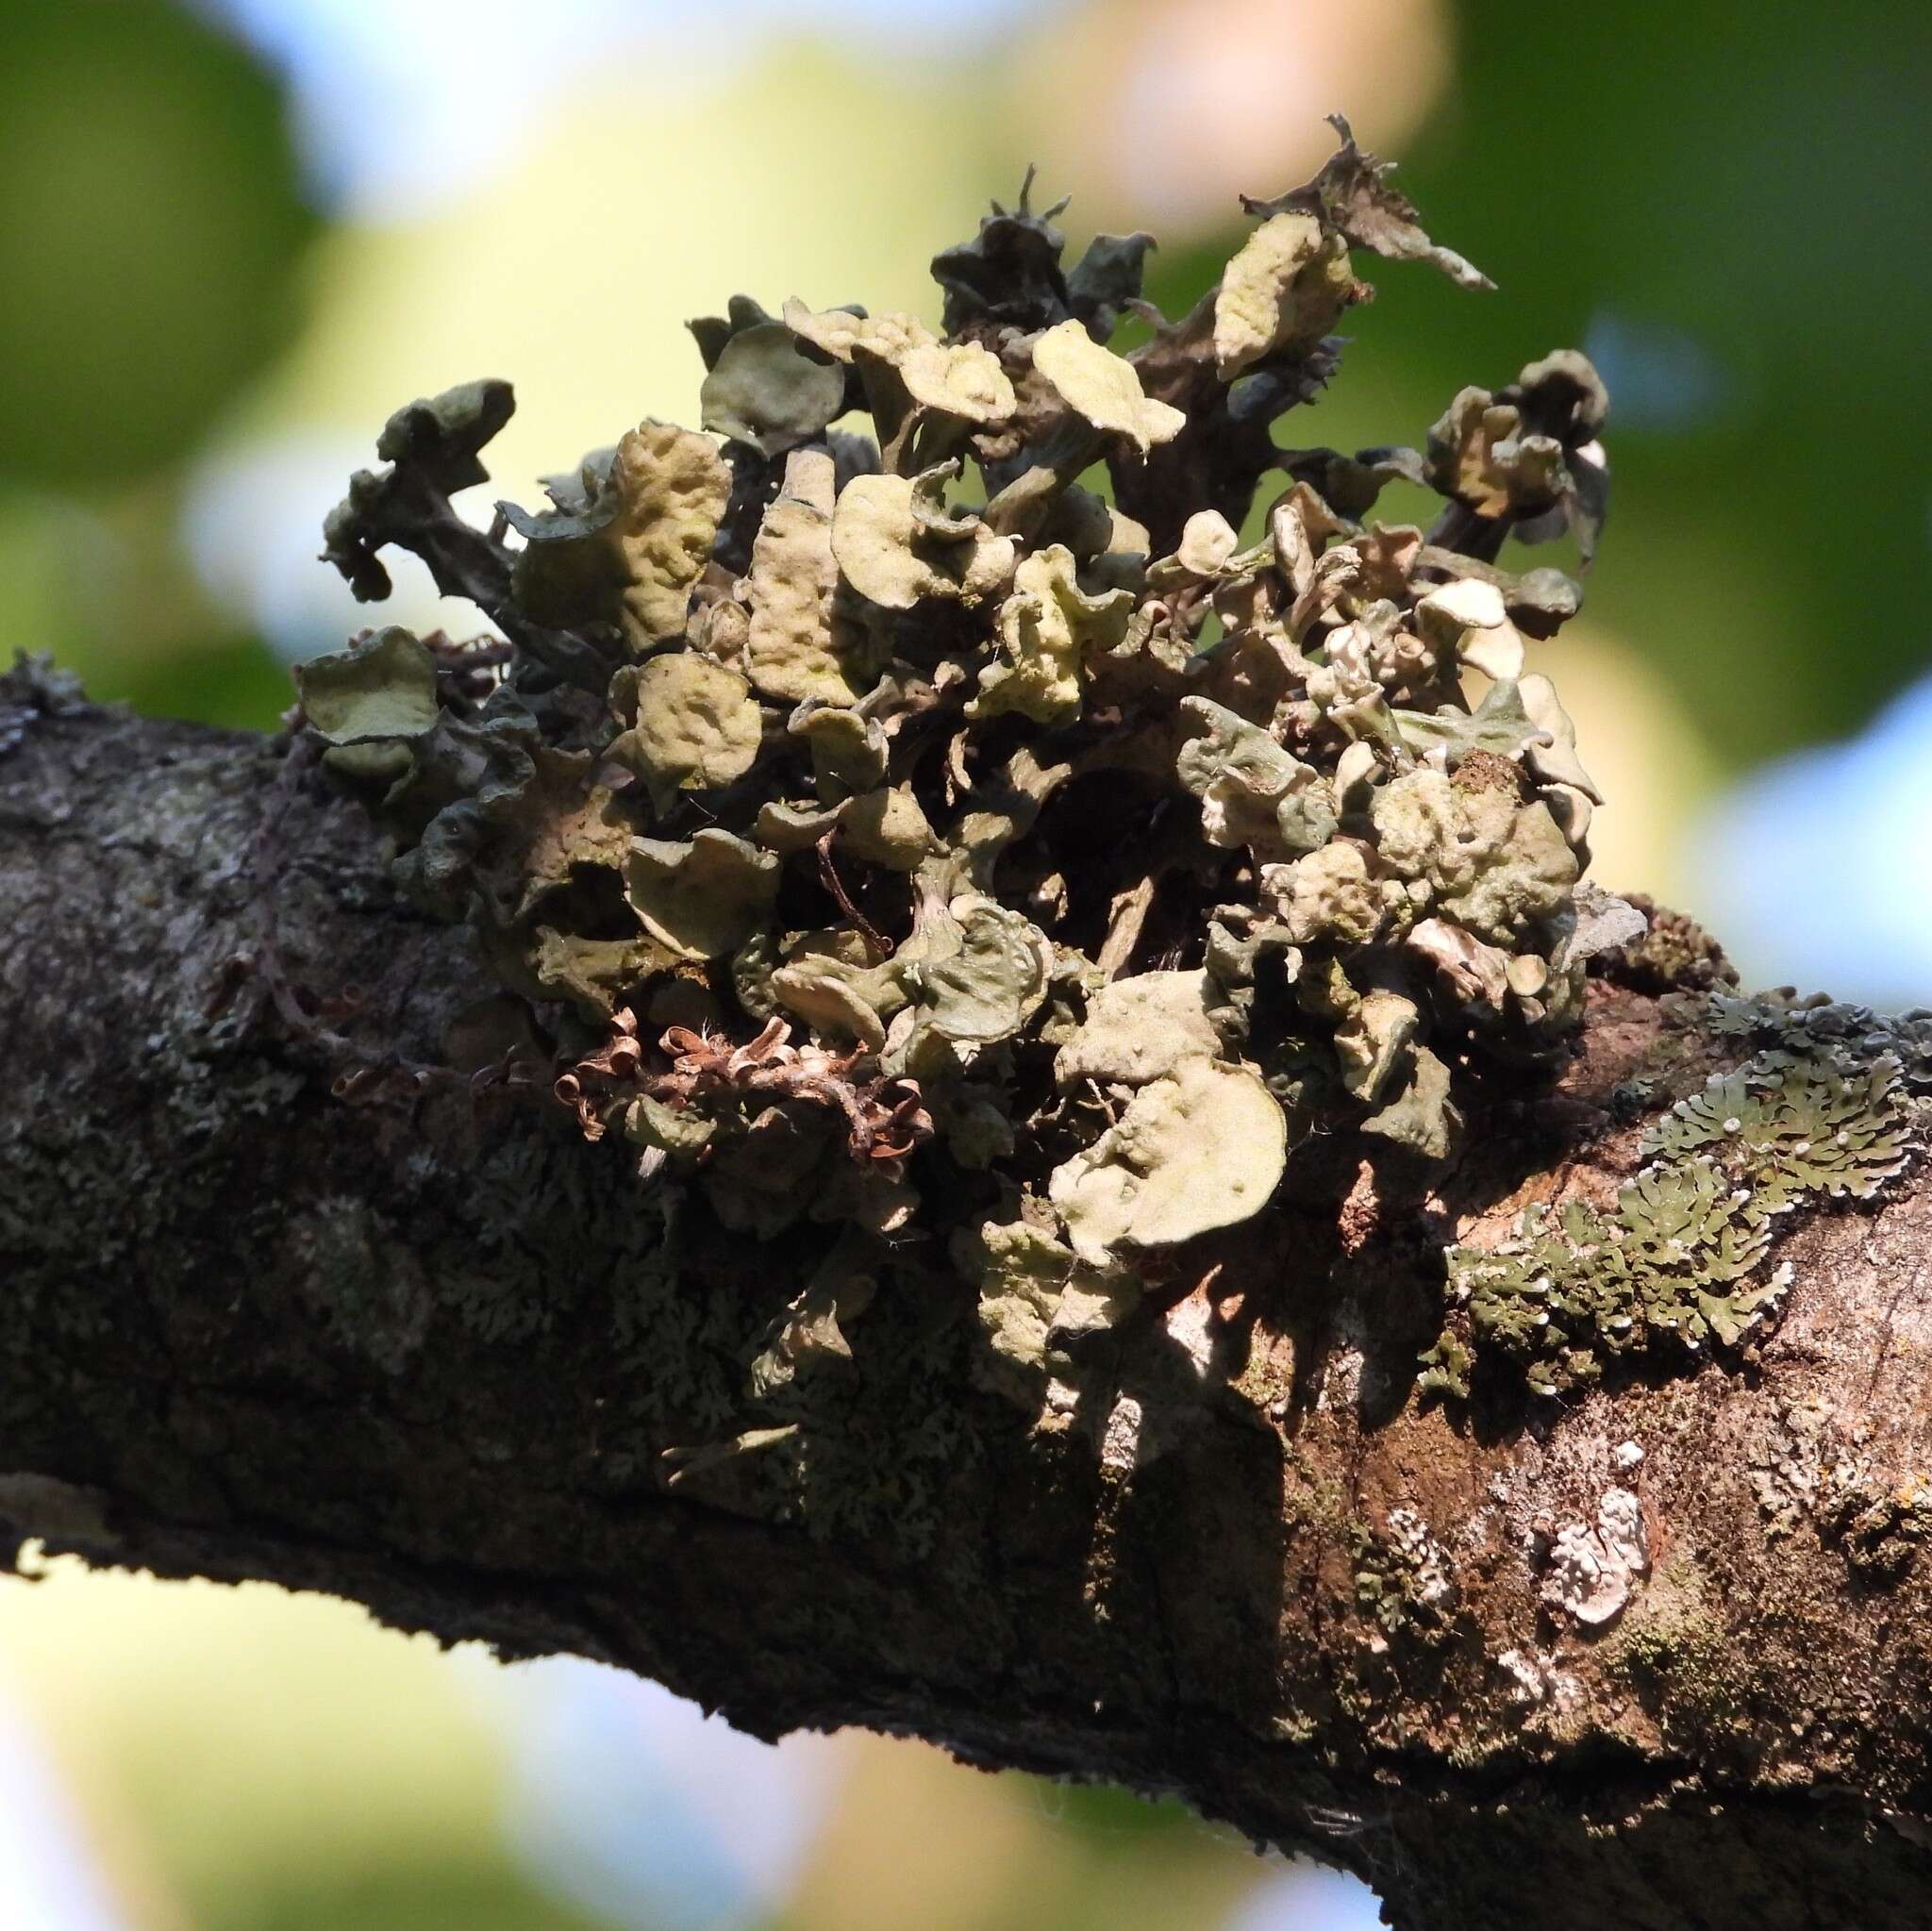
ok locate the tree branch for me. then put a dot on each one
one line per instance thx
(423, 1347)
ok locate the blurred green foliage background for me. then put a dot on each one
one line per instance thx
(1728, 206)
(204, 320)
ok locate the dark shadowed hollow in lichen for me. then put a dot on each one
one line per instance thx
(892, 834)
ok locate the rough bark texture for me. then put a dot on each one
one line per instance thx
(424, 1348)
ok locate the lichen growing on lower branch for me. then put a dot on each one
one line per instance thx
(1830, 1110)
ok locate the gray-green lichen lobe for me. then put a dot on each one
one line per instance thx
(1402, 1578)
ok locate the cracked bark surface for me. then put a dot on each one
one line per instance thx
(392, 1347)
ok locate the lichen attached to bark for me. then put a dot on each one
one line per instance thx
(890, 835)
(1682, 1264)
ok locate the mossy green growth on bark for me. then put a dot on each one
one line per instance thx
(1831, 1109)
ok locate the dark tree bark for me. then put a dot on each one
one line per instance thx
(423, 1346)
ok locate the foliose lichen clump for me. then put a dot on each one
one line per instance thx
(925, 800)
